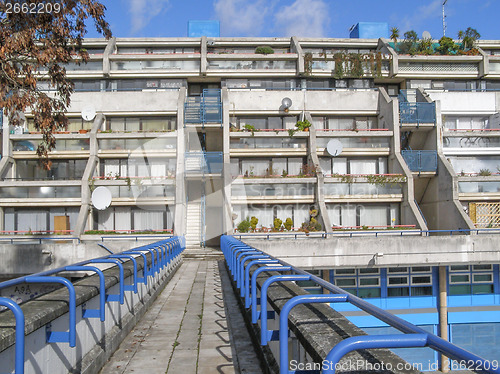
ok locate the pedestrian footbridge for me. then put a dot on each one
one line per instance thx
(158, 309)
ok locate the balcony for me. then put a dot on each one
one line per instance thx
(289, 191)
(417, 113)
(204, 163)
(135, 144)
(204, 109)
(420, 161)
(357, 145)
(361, 189)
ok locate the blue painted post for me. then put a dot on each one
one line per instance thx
(19, 316)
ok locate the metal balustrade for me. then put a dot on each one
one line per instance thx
(421, 161)
(204, 109)
(163, 253)
(237, 254)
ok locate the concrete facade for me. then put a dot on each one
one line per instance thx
(170, 166)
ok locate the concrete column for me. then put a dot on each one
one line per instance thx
(443, 316)
(227, 209)
(325, 274)
(320, 179)
(180, 190)
(203, 56)
(295, 47)
(110, 48)
(86, 204)
(484, 65)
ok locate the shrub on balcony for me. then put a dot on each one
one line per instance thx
(277, 224)
(264, 50)
(244, 225)
(312, 225)
(288, 224)
(253, 223)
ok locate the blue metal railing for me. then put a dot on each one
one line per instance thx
(204, 109)
(417, 113)
(203, 162)
(420, 161)
(237, 254)
(162, 254)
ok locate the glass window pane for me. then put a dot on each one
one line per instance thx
(420, 269)
(366, 293)
(369, 281)
(421, 291)
(479, 289)
(398, 280)
(398, 270)
(482, 267)
(369, 271)
(345, 282)
(459, 268)
(426, 279)
(460, 289)
(462, 278)
(345, 271)
(398, 291)
(479, 278)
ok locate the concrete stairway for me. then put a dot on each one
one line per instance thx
(193, 165)
(193, 225)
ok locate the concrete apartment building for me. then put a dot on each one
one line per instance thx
(195, 135)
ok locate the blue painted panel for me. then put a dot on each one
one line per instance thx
(416, 319)
(474, 316)
(393, 303)
(472, 300)
(209, 29)
(370, 30)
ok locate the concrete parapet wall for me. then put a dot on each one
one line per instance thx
(382, 251)
(96, 341)
(21, 259)
(315, 330)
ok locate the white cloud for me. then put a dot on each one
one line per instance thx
(242, 17)
(303, 18)
(143, 11)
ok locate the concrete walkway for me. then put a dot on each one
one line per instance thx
(194, 326)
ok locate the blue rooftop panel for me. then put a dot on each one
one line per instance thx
(370, 30)
(209, 29)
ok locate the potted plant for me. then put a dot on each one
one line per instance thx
(303, 125)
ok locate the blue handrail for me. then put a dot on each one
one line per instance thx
(162, 254)
(236, 252)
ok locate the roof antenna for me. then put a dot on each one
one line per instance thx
(444, 18)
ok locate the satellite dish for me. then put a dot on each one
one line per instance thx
(334, 147)
(286, 102)
(88, 113)
(426, 35)
(101, 198)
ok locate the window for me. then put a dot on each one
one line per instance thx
(466, 279)
(414, 281)
(364, 283)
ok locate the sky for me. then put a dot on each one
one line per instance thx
(303, 18)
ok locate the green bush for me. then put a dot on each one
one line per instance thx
(253, 222)
(288, 224)
(244, 225)
(277, 224)
(264, 50)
